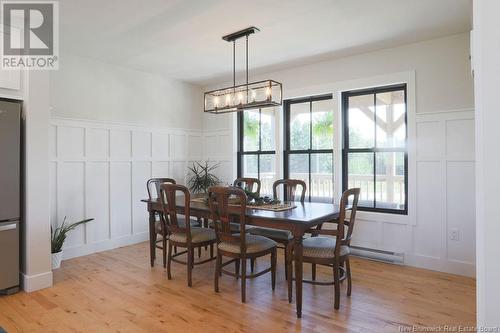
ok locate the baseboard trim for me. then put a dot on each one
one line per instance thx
(104, 245)
(36, 282)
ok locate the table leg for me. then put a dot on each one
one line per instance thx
(298, 273)
(152, 237)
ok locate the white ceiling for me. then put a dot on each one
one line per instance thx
(182, 38)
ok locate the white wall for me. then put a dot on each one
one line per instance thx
(486, 55)
(111, 129)
(88, 89)
(442, 69)
(36, 259)
(100, 169)
(441, 147)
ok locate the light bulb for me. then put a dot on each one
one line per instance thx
(254, 94)
(216, 101)
(240, 98)
(228, 99)
(268, 91)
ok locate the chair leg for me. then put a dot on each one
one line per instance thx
(164, 249)
(199, 252)
(211, 251)
(337, 284)
(243, 279)
(169, 261)
(237, 267)
(288, 266)
(313, 271)
(153, 241)
(273, 268)
(252, 264)
(348, 272)
(190, 265)
(218, 264)
(175, 249)
(286, 262)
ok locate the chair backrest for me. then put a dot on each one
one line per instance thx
(154, 183)
(248, 184)
(290, 187)
(222, 214)
(168, 197)
(339, 233)
(344, 202)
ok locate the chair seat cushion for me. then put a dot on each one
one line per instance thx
(198, 235)
(182, 223)
(254, 244)
(272, 233)
(322, 247)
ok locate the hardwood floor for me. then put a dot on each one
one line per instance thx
(117, 291)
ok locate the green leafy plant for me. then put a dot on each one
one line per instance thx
(201, 177)
(60, 233)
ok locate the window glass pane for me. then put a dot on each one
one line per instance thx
(360, 174)
(300, 126)
(390, 188)
(391, 127)
(299, 169)
(251, 130)
(267, 173)
(321, 177)
(249, 165)
(267, 125)
(361, 116)
(322, 124)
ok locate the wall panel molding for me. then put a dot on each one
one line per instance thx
(100, 169)
(444, 236)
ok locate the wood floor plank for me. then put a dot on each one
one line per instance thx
(117, 291)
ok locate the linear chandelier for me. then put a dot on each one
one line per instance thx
(252, 95)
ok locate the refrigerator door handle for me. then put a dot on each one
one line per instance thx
(8, 227)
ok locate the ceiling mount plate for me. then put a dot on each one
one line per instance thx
(242, 33)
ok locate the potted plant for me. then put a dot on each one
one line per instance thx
(58, 237)
(201, 177)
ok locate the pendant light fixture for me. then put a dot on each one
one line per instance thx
(252, 95)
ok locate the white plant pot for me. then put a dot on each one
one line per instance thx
(56, 259)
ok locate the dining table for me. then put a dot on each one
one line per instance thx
(298, 220)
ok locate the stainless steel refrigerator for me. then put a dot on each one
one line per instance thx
(10, 194)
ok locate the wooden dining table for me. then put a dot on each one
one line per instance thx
(296, 220)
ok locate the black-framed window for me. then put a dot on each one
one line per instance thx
(257, 146)
(308, 153)
(374, 154)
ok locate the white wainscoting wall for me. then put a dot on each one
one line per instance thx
(100, 170)
(443, 169)
(445, 199)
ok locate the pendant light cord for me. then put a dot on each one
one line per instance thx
(234, 63)
(247, 56)
(247, 67)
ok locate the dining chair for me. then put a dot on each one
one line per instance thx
(248, 184)
(331, 247)
(283, 237)
(239, 246)
(153, 188)
(182, 234)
